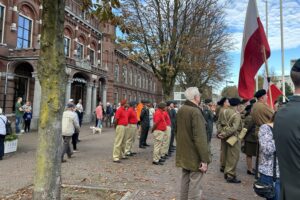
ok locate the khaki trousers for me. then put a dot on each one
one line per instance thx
(119, 144)
(131, 131)
(232, 157)
(158, 137)
(191, 185)
(166, 142)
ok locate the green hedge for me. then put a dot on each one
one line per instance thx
(10, 137)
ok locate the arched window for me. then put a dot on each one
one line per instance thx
(130, 77)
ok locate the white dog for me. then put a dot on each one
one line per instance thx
(96, 130)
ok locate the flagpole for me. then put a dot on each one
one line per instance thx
(268, 78)
(282, 51)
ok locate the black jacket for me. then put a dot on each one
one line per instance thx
(144, 117)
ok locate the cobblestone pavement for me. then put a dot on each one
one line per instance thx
(93, 166)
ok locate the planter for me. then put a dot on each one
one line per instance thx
(10, 146)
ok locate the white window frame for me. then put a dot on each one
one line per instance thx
(69, 46)
(125, 74)
(118, 72)
(31, 30)
(77, 50)
(3, 25)
(94, 61)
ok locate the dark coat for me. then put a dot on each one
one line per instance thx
(191, 146)
(209, 117)
(250, 126)
(145, 117)
(287, 140)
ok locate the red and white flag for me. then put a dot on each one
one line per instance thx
(252, 57)
(273, 93)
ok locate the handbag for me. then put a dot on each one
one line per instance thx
(266, 190)
(7, 126)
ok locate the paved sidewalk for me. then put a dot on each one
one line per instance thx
(93, 166)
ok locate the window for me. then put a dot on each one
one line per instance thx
(67, 46)
(139, 81)
(135, 79)
(116, 72)
(92, 56)
(2, 10)
(24, 32)
(79, 48)
(154, 87)
(116, 98)
(125, 79)
(130, 77)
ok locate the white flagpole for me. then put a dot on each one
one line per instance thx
(282, 51)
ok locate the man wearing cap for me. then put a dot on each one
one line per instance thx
(167, 136)
(209, 117)
(131, 128)
(158, 130)
(192, 154)
(70, 125)
(223, 104)
(121, 122)
(172, 115)
(230, 123)
(145, 124)
(287, 141)
(261, 113)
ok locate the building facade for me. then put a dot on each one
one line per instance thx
(90, 58)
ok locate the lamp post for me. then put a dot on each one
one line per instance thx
(228, 82)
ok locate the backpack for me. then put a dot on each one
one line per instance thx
(7, 126)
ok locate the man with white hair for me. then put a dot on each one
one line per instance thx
(192, 148)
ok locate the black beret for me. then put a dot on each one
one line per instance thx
(248, 108)
(234, 101)
(222, 101)
(132, 103)
(260, 93)
(162, 105)
(207, 101)
(252, 101)
(296, 66)
(169, 103)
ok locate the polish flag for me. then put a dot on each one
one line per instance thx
(252, 57)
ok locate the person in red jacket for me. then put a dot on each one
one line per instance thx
(159, 128)
(121, 122)
(131, 128)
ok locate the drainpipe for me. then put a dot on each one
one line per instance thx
(5, 87)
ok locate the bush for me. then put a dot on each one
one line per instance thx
(10, 137)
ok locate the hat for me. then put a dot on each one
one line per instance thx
(123, 102)
(234, 101)
(260, 93)
(169, 102)
(248, 108)
(70, 100)
(162, 105)
(222, 101)
(296, 66)
(70, 105)
(132, 103)
(207, 101)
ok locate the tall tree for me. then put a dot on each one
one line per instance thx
(161, 30)
(230, 92)
(52, 77)
(207, 62)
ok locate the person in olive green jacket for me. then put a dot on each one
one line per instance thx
(223, 104)
(231, 124)
(250, 140)
(192, 147)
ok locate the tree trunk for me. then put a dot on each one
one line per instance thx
(52, 76)
(168, 88)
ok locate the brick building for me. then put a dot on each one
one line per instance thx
(96, 70)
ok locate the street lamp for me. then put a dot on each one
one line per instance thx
(228, 82)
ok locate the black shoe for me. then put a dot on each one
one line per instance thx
(117, 161)
(130, 154)
(162, 160)
(222, 170)
(233, 180)
(133, 153)
(225, 176)
(63, 160)
(1, 158)
(78, 140)
(157, 163)
(250, 173)
(164, 157)
(125, 158)
(142, 147)
(146, 145)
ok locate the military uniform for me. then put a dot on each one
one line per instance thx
(223, 141)
(261, 114)
(230, 124)
(250, 138)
